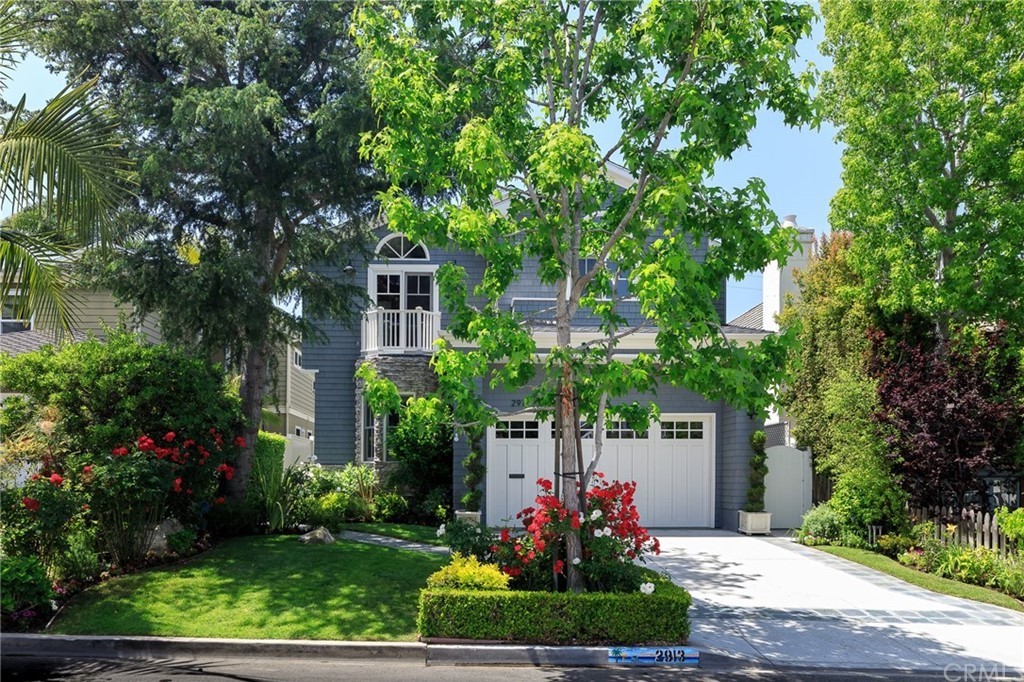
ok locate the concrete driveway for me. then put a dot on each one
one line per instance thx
(777, 603)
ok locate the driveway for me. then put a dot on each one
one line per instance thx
(778, 603)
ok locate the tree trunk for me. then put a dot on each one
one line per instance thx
(254, 380)
(570, 473)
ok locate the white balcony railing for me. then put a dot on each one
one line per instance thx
(398, 331)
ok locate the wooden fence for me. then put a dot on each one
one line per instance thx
(971, 528)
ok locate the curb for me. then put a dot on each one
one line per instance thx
(429, 654)
(132, 647)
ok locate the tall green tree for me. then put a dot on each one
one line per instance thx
(64, 160)
(245, 120)
(926, 95)
(497, 103)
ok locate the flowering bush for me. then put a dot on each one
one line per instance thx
(609, 529)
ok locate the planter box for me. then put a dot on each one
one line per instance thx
(755, 523)
(468, 516)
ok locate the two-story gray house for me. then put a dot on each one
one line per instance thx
(691, 467)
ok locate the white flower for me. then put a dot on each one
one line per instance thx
(595, 515)
(576, 561)
(478, 531)
(441, 530)
(647, 588)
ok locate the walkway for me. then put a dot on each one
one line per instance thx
(385, 541)
(775, 602)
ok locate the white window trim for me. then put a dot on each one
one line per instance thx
(15, 293)
(297, 354)
(403, 268)
(369, 427)
(391, 236)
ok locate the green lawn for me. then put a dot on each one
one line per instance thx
(266, 588)
(404, 531)
(928, 581)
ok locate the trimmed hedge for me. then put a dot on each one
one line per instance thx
(269, 451)
(628, 619)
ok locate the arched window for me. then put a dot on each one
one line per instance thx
(398, 246)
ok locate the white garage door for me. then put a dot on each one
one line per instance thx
(672, 464)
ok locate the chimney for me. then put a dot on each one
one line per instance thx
(778, 282)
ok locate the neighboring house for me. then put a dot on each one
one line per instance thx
(290, 407)
(691, 467)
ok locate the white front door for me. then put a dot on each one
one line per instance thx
(672, 464)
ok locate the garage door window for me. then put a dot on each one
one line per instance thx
(621, 431)
(682, 430)
(586, 431)
(517, 430)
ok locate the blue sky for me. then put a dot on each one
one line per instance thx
(800, 167)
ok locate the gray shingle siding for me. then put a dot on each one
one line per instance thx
(733, 465)
(336, 396)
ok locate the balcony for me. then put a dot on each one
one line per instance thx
(400, 331)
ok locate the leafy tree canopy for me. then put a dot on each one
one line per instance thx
(927, 98)
(245, 121)
(496, 104)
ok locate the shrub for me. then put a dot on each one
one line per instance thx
(1010, 575)
(468, 539)
(359, 484)
(1012, 525)
(758, 470)
(474, 466)
(331, 510)
(230, 518)
(894, 545)
(109, 392)
(26, 588)
(182, 542)
(467, 573)
(272, 488)
(821, 524)
(390, 506)
(421, 445)
(609, 529)
(79, 560)
(558, 617)
(975, 565)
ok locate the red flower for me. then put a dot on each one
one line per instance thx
(575, 520)
(34, 477)
(161, 452)
(169, 436)
(218, 500)
(30, 503)
(56, 479)
(559, 566)
(545, 484)
(176, 486)
(188, 491)
(145, 443)
(189, 443)
(87, 469)
(227, 470)
(504, 535)
(240, 441)
(85, 507)
(119, 451)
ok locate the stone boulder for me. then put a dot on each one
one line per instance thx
(320, 536)
(158, 545)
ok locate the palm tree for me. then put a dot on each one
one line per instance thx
(64, 160)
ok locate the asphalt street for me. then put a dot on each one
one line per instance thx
(309, 669)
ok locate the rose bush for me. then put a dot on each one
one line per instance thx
(610, 529)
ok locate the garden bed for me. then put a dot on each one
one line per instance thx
(928, 581)
(622, 618)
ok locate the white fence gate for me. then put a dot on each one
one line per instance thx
(788, 485)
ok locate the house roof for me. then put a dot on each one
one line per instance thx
(16, 343)
(751, 319)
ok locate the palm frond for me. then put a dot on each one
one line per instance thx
(31, 266)
(13, 35)
(64, 158)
